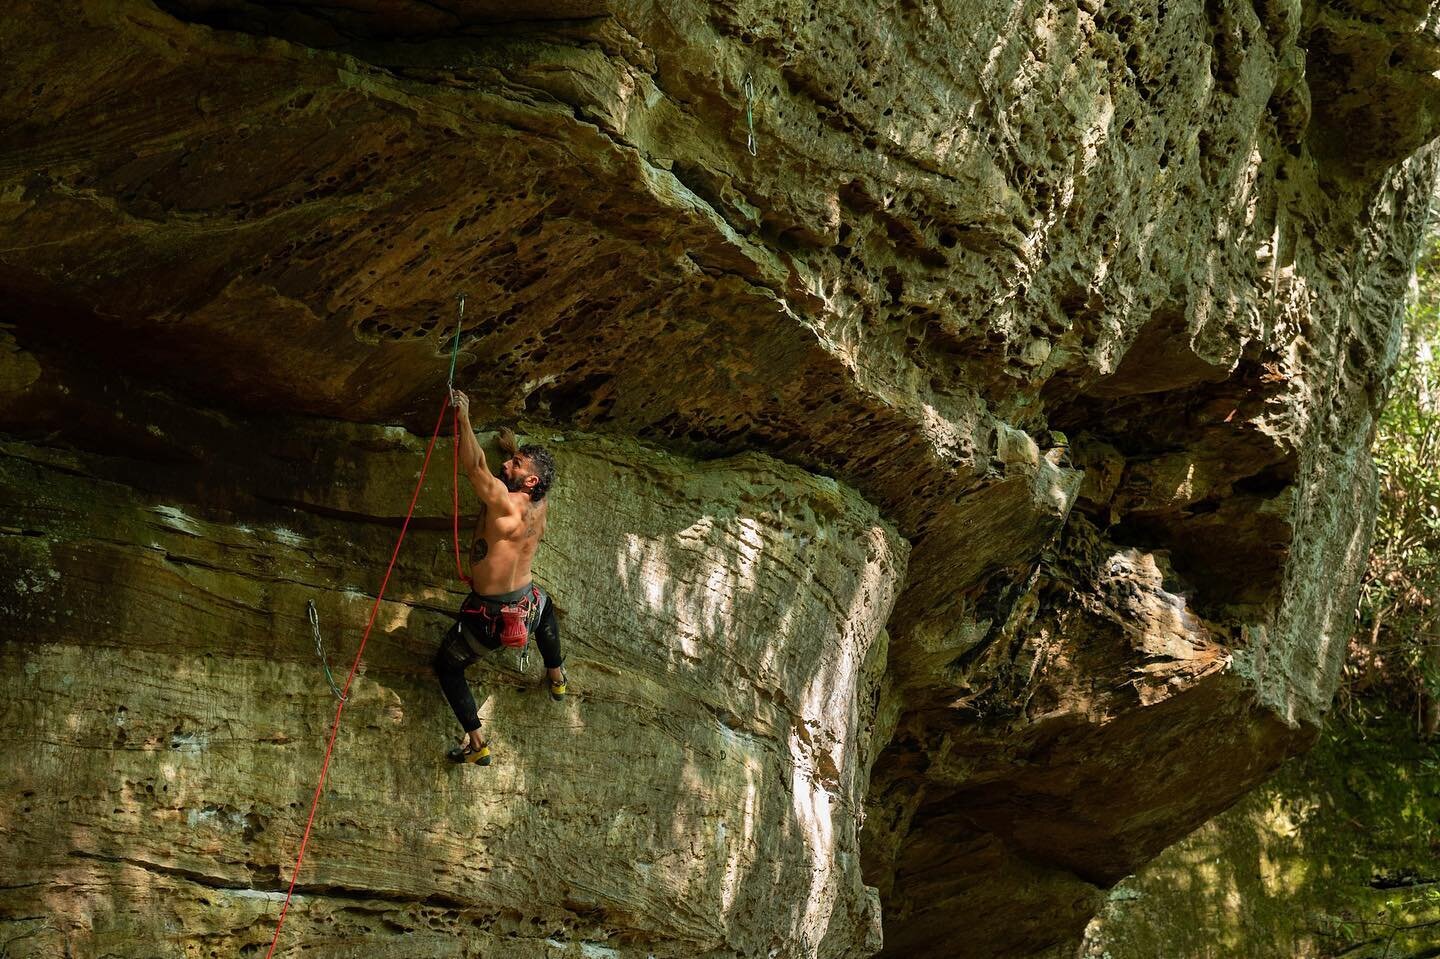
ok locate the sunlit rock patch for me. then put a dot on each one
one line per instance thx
(985, 385)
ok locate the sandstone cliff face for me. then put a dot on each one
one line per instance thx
(701, 796)
(962, 491)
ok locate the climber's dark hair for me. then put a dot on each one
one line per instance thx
(543, 466)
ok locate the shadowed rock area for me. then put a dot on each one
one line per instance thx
(962, 492)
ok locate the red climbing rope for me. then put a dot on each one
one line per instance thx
(455, 487)
(344, 697)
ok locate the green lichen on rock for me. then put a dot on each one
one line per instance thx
(1336, 856)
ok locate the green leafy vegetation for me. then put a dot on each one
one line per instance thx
(1395, 654)
(1334, 858)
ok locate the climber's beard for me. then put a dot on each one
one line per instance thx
(513, 482)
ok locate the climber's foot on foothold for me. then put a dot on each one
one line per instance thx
(559, 687)
(468, 752)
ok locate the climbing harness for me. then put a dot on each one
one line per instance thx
(518, 621)
(314, 618)
(750, 115)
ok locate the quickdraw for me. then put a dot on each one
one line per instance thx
(314, 617)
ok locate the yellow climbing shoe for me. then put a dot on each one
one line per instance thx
(466, 752)
(558, 687)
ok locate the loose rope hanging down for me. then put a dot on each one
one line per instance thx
(344, 694)
(310, 611)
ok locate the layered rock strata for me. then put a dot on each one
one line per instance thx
(699, 795)
(1086, 309)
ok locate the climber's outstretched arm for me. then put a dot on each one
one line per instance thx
(472, 457)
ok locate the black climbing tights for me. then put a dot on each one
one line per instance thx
(456, 652)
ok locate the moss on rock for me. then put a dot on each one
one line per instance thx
(1336, 856)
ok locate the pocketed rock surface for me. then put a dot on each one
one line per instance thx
(961, 413)
(699, 793)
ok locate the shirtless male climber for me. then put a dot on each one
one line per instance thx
(511, 524)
